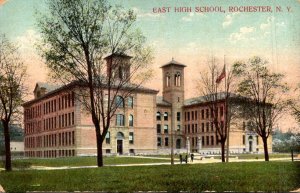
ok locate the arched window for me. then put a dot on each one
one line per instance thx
(168, 80)
(130, 120)
(119, 102)
(177, 80)
(166, 116)
(158, 116)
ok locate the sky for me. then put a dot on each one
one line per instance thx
(188, 37)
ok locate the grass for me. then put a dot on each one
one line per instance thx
(240, 177)
(257, 156)
(81, 161)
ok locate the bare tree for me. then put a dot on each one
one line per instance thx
(295, 105)
(218, 97)
(264, 91)
(82, 34)
(12, 75)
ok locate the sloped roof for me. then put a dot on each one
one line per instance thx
(161, 101)
(207, 98)
(49, 87)
(173, 62)
(54, 89)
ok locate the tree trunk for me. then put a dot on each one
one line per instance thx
(7, 146)
(99, 148)
(266, 148)
(223, 150)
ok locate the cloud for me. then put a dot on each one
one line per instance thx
(243, 34)
(191, 16)
(228, 19)
(141, 14)
(267, 25)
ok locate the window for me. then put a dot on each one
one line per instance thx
(207, 126)
(159, 141)
(130, 120)
(221, 112)
(158, 116)
(166, 141)
(120, 120)
(158, 128)
(192, 115)
(203, 141)
(207, 113)
(207, 140)
(165, 116)
(212, 140)
(202, 127)
(212, 126)
(107, 138)
(178, 116)
(217, 140)
(188, 116)
(257, 141)
(166, 128)
(119, 102)
(130, 137)
(202, 113)
(107, 151)
(130, 102)
(244, 139)
(177, 79)
(168, 80)
(178, 127)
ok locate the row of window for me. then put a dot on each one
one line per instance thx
(165, 129)
(51, 153)
(177, 79)
(64, 120)
(208, 126)
(64, 101)
(121, 104)
(120, 120)
(52, 140)
(108, 137)
(205, 114)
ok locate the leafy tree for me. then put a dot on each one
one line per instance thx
(265, 91)
(12, 89)
(82, 33)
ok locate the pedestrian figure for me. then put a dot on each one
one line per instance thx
(192, 157)
(186, 159)
(180, 157)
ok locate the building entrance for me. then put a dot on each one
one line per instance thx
(120, 146)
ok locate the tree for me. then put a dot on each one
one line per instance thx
(295, 105)
(218, 96)
(12, 89)
(264, 91)
(82, 33)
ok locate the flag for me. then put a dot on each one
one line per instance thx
(221, 76)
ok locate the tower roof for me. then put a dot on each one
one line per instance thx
(173, 62)
(122, 55)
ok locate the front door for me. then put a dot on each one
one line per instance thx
(120, 147)
(250, 146)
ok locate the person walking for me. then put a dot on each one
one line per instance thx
(180, 157)
(192, 157)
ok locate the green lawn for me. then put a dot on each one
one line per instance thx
(82, 161)
(257, 156)
(241, 177)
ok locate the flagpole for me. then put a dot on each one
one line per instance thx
(226, 115)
